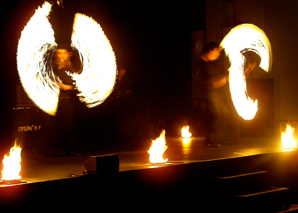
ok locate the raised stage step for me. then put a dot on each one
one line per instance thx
(291, 208)
(248, 192)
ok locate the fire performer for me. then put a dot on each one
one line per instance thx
(213, 79)
(62, 67)
(211, 82)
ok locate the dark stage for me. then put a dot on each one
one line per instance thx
(243, 175)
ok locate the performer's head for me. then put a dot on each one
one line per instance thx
(63, 52)
(212, 51)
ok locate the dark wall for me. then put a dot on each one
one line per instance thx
(282, 29)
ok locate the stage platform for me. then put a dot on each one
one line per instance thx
(243, 175)
(133, 155)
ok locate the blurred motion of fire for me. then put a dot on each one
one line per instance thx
(240, 39)
(96, 82)
(34, 55)
(35, 43)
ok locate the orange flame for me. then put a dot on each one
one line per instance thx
(12, 164)
(287, 139)
(157, 149)
(185, 132)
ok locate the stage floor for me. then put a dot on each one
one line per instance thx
(135, 157)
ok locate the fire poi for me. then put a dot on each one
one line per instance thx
(287, 139)
(37, 46)
(12, 164)
(243, 38)
(157, 149)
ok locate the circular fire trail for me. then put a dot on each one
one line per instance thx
(34, 58)
(243, 38)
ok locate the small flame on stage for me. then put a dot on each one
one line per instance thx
(185, 132)
(240, 39)
(12, 164)
(287, 139)
(185, 135)
(157, 149)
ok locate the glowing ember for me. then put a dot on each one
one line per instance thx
(12, 164)
(157, 149)
(287, 139)
(37, 46)
(185, 132)
(243, 38)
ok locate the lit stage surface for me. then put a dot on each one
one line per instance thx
(243, 175)
(134, 156)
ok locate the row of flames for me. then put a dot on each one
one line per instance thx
(12, 162)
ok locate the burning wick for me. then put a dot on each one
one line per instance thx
(157, 149)
(287, 139)
(12, 165)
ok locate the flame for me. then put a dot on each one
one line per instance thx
(12, 164)
(185, 132)
(287, 139)
(37, 46)
(157, 149)
(243, 38)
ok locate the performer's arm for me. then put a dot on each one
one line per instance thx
(65, 86)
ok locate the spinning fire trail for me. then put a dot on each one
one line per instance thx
(34, 55)
(243, 38)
